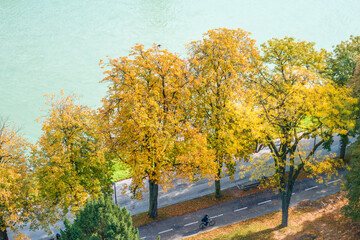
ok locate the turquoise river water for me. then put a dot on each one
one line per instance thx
(46, 46)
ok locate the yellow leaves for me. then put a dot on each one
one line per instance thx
(70, 157)
(222, 64)
(15, 177)
(295, 103)
(146, 117)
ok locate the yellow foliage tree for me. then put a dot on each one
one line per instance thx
(16, 184)
(70, 160)
(354, 85)
(145, 113)
(222, 64)
(295, 102)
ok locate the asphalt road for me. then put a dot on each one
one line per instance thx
(238, 210)
(181, 191)
(187, 191)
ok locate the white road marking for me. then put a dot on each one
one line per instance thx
(166, 231)
(293, 194)
(143, 238)
(311, 188)
(191, 223)
(334, 181)
(264, 202)
(240, 209)
(305, 200)
(217, 216)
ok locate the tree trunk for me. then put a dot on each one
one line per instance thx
(344, 140)
(285, 209)
(3, 233)
(217, 185)
(153, 199)
(217, 189)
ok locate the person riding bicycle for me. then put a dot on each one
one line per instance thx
(206, 219)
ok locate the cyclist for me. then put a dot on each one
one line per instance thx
(206, 219)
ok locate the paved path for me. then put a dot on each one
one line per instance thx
(181, 191)
(238, 210)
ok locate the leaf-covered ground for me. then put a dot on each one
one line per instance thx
(320, 219)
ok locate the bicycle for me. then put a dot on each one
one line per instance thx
(202, 225)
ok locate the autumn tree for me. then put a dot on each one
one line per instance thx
(100, 219)
(221, 63)
(341, 68)
(70, 159)
(354, 86)
(145, 116)
(352, 184)
(296, 102)
(16, 184)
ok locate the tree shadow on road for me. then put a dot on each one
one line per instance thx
(265, 234)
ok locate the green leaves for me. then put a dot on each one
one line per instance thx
(342, 61)
(352, 184)
(101, 219)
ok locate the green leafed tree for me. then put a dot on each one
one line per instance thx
(145, 119)
(70, 160)
(100, 219)
(341, 68)
(342, 61)
(222, 62)
(352, 184)
(296, 102)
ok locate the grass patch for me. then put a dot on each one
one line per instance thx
(308, 220)
(120, 171)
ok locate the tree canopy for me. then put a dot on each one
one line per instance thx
(341, 62)
(70, 159)
(146, 121)
(352, 184)
(295, 102)
(16, 183)
(222, 62)
(100, 219)
(341, 68)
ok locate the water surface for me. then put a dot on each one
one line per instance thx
(46, 46)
